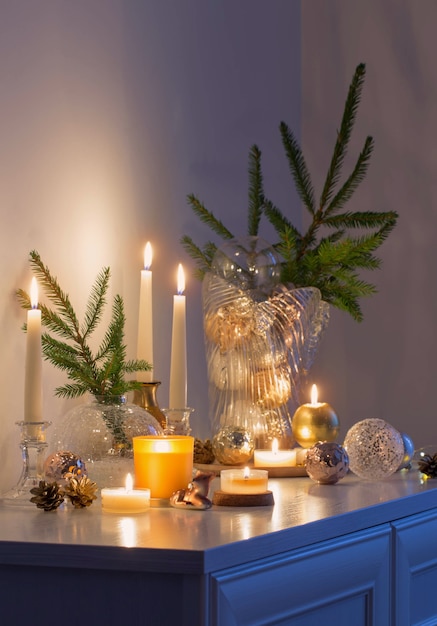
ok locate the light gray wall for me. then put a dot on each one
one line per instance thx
(385, 367)
(112, 111)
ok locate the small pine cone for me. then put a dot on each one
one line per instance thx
(47, 496)
(80, 491)
(428, 465)
(203, 452)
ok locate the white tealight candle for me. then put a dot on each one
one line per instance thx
(145, 317)
(243, 481)
(125, 501)
(178, 365)
(33, 367)
(274, 457)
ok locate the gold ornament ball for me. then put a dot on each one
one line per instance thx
(315, 422)
(232, 446)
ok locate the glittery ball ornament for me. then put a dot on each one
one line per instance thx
(327, 462)
(62, 465)
(232, 446)
(375, 449)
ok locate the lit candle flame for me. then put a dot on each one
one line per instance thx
(129, 482)
(181, 279)
(246, 473)
(314, 394)
(161, 445)
(275, 446)
(34, 293)
(148, 256)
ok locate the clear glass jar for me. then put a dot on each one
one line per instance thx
(100, 432)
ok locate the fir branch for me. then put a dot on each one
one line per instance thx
(329, 262)
(203, 258)
(360, 219)
(101, 373)
(344, 135)
(209, 218)
(279, 221)
(96, 303)
(54, 292)
(298, 167)
(351, 184)
(256, 191)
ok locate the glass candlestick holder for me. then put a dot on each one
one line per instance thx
(177, 421)
(33, 450)
(146, 399)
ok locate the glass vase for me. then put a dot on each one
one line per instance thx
(261, 339)
(100, 433)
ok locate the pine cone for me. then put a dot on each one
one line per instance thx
(203, 451)
(428, 465)
(80, 491)
(47, 496)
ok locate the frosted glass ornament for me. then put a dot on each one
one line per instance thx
(375, 449)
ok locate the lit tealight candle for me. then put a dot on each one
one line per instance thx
(163, 463)
(315, 421)
(274, 457)
(125, 501)
(243, 481)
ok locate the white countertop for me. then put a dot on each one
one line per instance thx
(192, 541)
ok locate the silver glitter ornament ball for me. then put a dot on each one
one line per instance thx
(327, 462)
(375, 449)
(63, 463)
(232, 446)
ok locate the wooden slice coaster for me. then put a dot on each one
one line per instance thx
(220, 498)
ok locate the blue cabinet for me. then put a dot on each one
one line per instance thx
(345, 582)
(415, 564)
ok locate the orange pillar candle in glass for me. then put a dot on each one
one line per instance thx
(163, 464)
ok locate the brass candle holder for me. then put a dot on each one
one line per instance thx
(146, 399)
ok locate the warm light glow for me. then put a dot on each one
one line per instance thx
(181, 279)
(148, 256)
(128, 532)
(246, 473)
(161, 446)
(314, 394)
(275, 446)
(34, 293)
(129, 482)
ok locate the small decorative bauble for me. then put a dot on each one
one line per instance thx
(249, 263)
(232, 324)
(63, 464)
(272, 388)
(327, 462)
(232, 445)
(408, 452)
(315, 421)
(375, 448)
